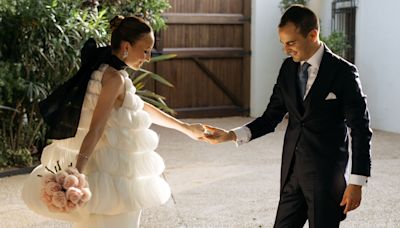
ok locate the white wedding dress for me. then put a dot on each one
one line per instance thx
(123, 171)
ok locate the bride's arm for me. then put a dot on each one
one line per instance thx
(111, 88)
(195, 131)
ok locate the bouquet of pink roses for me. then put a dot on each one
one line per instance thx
(64, 190)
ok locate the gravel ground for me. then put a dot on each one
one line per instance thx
(225, 186)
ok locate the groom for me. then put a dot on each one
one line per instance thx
(322, 94)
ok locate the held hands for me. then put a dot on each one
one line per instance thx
(194, 131)
(206, 133)
(351, 198)
(216, 135)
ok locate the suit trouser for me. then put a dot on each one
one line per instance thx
(302, 198)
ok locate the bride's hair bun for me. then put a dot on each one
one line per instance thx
(129, 29)
(115, 22)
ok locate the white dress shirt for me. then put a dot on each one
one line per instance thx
(315, 62)
(243, 134)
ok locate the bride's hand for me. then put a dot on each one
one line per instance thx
(194, 131)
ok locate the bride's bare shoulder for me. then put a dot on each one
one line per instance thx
(112, 75)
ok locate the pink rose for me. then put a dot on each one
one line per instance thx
(74, 194)
(82, 181)
(65, 191)
(72, 171)
(59, 200)
(60, 177)
(81, 203)
(52, 187)
(48, 178)
(70, 181)
(86, 195)
(70, 206)
(46, 198)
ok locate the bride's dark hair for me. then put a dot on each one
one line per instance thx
(128, 29)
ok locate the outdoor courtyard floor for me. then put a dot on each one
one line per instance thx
(224, 186)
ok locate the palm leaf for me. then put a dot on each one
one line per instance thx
(157, 77)
(162, 57)
(139, 78)
(149, 94)
(160, 104)
(8, 108)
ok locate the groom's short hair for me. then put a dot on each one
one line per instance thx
(302, 17)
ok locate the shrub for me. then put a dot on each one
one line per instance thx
(151, 10)
(284, 4)
(16, 158)
(40, 42)
(337, 42)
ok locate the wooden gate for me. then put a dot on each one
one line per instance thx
(211, 73)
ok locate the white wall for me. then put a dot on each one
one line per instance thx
(377, 58)
(377, 55)
(323, 9)
(267, 55)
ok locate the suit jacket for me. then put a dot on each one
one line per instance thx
(317, 128)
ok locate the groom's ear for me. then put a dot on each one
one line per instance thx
(313, 35)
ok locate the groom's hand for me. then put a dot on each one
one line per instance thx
(351, 197)
(216, 135)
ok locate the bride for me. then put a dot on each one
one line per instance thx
(111, 141)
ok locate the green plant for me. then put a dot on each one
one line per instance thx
(16, 158)
(151, 10)
(139, 80)
(35, 58)
(284, 4)
(337, 42)
(21, 157)
(7, 108)
(40, 43)
(20, 122)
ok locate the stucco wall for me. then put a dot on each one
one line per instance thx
(377, 49)
(267, 55)
(376, 55)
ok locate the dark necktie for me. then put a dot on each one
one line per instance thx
(303, 77)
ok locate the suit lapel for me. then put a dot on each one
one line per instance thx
(322, 83)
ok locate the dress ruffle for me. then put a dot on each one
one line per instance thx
(123, 171)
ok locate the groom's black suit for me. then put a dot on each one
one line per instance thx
(315, 151)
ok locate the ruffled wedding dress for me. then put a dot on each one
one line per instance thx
(123, 171)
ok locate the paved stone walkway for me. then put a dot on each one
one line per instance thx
(224, 186)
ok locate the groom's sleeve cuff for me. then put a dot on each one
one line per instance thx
(358, 180)
(243, 135)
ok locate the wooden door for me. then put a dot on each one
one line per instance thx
(211, 72)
